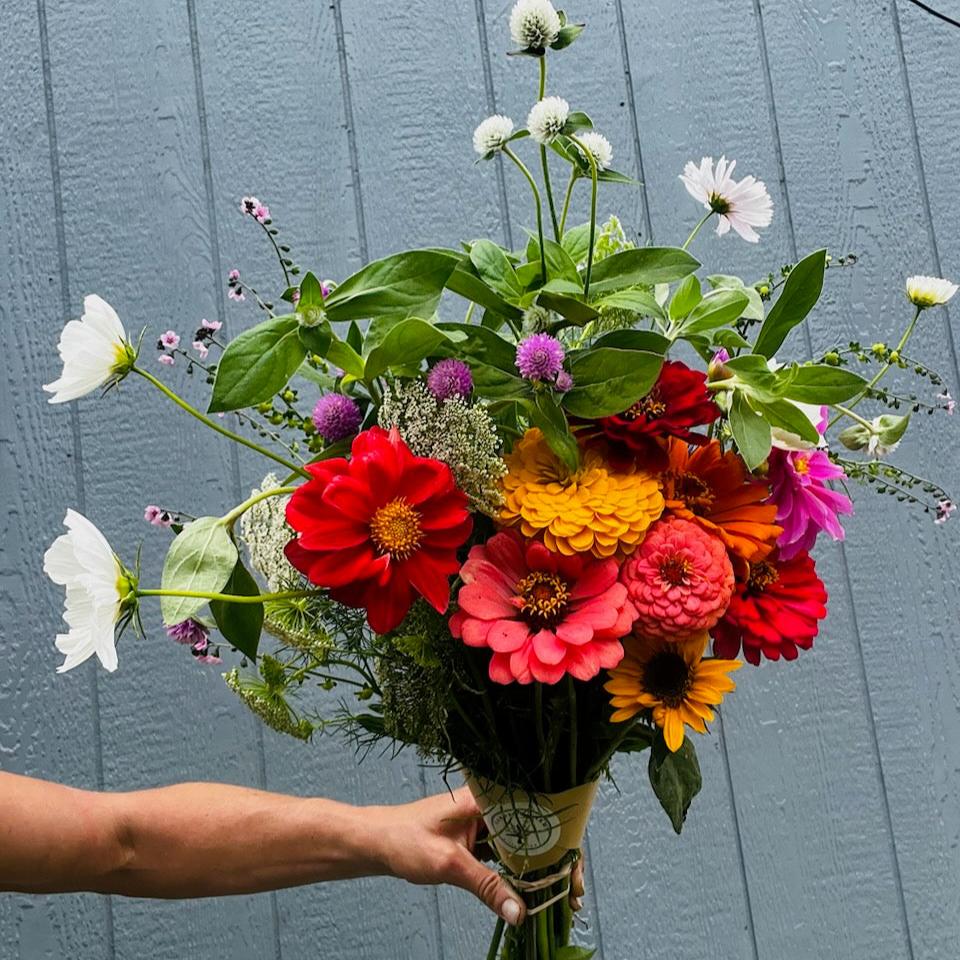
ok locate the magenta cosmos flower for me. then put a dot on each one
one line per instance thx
(805, 504)
(542, 614)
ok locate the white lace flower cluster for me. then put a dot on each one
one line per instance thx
(462, 436)
(264, 530)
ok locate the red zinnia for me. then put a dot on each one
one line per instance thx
(773, 612)
(542, 614)
(379, 528)
(677, 401)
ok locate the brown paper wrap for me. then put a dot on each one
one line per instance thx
(533, 831)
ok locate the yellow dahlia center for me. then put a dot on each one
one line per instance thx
(675, 570)
(650, 406)
(543, 597)
(762, 575)
(395, 529)
(667, 676)
(694, 492)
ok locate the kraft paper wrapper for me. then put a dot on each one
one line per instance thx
(533, 831)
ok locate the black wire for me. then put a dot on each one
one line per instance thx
(935, 13)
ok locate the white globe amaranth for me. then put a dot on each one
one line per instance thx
(547, 118)
(534, 24)
(926, 292)
(95, 351)
(492, 134)
(599, 146)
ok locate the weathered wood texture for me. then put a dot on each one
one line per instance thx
(829, 824)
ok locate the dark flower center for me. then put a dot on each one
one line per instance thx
(395, 529)
(719, 204)
(694, 492)
(667, 676)
(675, 570)
(762, 575)
(651, 406)
(543, 597)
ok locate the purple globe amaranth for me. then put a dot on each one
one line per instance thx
(564, 381)
(336, 417)
(450, 378)
(540, 357)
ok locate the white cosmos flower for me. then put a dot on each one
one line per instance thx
(81, 560)
(95, 350)
(741, 204)
(492, 134)
(547, 118)
(534, 24)
(599, 146)
(929, 291)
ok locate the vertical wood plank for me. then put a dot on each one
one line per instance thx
(136, 231)
(48, 725)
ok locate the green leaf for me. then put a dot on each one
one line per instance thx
(750, 431)
(577, 120)
(497, 384)
(716, 309)
(546, 414)
(257, 364)
(316, 339)
(407, 342)
(640, 738)
(685, 298)
(637, 301)
(576, 241)
(400, 285)
(614, 176)
(481, 343)
(495, 269)
(609, 380)
(796, 300)
(822, 383)
(240, 623)
(571, 952)
(675, 778)
(570, 308)
(466, 282)
(345, 357)
(560, 265)
(787, 416)
(754, 309)
(634, 340)
(568, 33)
(355, 337)
(730, 339)
(200, 559)
(311, 292)
(644, 265)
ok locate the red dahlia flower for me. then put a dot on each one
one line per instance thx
(677, 401)
(379, 528)
(773, 612)
(542, 614)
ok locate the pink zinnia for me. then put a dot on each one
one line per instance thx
(805, 504)
(542, 614)
(680, 579)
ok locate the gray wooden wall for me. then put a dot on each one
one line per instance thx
(829, 823)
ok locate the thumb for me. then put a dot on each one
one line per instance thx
(489, 887)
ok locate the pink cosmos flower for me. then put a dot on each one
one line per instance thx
(741, 204)
(542, 614)
(805, 504)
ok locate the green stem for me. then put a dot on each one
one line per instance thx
(213, 425)
(572, 706)
(543, 157)
(593, 210)
(543, 941)
(696, 229)
(882, 371)
(597, 768)
(229, 597)
(541, 735)
(280, 257)
(230, 518)
(847, 412)
(495, 940)
(566, 201)
(539, 205)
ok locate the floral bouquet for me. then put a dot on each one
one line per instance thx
(522, 541)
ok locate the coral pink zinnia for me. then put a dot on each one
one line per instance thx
(542, 614)
(680, 580)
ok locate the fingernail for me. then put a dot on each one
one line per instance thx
(510, 911)
(576, 904)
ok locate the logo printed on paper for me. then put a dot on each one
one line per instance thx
(527, 828)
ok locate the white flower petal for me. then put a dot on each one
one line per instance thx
(546, 118)
(929, 291)
(492, 134)
(534, 24)
(742, 205)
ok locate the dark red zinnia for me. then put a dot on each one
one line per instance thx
(773, 612)
(677, 401)
(380, 528)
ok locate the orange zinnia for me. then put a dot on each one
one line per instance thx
(714, 489)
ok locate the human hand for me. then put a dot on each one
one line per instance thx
(433, 841)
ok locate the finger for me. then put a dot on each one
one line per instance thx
(488, 887)
(577, 888)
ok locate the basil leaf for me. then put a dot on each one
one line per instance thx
(407, 342)
(643, 265)
(796, 300)
(609, 380)
(750, 431)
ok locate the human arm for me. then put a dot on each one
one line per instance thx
(204, 840)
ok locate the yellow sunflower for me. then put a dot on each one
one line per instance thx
(596, 510)
(671, 679)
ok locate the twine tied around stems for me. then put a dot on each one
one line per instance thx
(544, 883)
